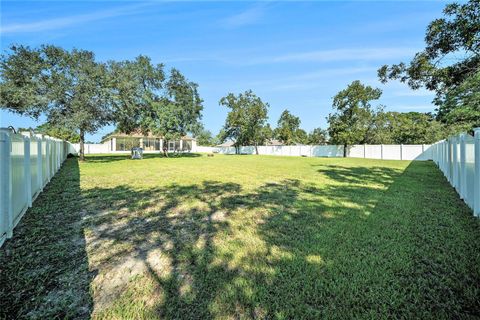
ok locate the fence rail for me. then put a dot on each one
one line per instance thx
(369, 151)
(458, 158)
(27, 163)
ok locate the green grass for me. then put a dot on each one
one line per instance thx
(243, 237)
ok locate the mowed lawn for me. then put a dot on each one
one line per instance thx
(243, 237)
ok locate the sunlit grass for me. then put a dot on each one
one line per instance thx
(197, 237)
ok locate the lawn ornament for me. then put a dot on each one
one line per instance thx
(137, 153)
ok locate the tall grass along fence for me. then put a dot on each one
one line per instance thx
(27, 163)
(458, 158)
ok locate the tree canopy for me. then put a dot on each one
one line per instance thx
(287, 130)
(318, 136)
(246, 120)
(352, 120)
(69, 87)
(77, 93)
(58, 132)
(448, 64)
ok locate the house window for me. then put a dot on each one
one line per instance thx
(187, 145)
(127, 143)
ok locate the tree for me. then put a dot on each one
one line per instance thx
(266, 134)
(301, 136)
(205, 138)
(462, 105)
(69, 87)
(406, 128)
(287, 127)
(178, 111)
(58, 132)
(136, 85)
(451, 56)
(318, 137)
(145, 99)
(246, 119)
(353, 118)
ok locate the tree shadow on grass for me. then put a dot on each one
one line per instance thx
(370, 243)
(44, 270)
(288, 249)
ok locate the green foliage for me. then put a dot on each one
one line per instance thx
(266, 134)
(451, 56)
(246, 119)
(205, 138)
(287, 127)
(58, 132)
(178, 111)
(318, 137)
(301, 136)
(146, 99)
(462, 105)
(69, 87)
(406, 128)
(353, 118)
(136, 86)
(24, 85)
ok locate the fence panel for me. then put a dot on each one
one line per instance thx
(27, 162)
(19, 179)
(459, 159)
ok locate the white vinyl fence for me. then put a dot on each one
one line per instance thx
(369, 151)
(458, 158)
(27, 163)
(92, 148)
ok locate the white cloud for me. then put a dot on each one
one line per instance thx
(345, 54)
(247, 17)
(310, 80)
(59, 23)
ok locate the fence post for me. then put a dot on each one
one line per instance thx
(40, 163)
(401, 151)
(463, 168)
(26, 167)
(449, 161)
(47, 157)
(476, 187)
(6, 210)
(364, 151)
(455, 163)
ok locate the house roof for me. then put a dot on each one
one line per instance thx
(274, 142)
(139, 134)
(226, 144)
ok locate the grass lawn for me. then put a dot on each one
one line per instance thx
(243, 237)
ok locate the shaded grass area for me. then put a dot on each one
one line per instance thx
(243, 237)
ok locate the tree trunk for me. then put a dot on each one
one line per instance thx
(82, 146)
(345, 150)
(165, 148)
(256, 148)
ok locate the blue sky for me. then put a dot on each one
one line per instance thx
(294, 55)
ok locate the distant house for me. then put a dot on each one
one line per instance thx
(271, 142)
(150, 142)
(274, 142)
(226, 144)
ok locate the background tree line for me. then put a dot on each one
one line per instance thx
(449, 66)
